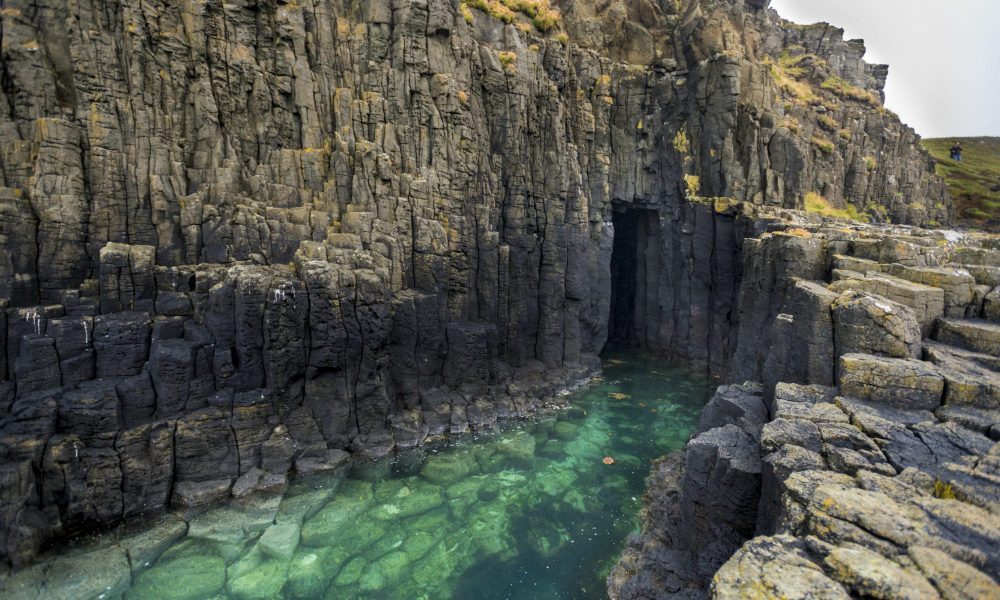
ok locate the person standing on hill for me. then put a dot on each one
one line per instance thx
(956, 152)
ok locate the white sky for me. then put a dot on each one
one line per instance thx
(943, 56)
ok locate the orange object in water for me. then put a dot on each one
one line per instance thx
(608, 460)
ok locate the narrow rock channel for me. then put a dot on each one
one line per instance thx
(536, 509)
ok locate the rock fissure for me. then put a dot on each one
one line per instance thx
(448, 200)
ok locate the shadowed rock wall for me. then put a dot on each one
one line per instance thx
(248, 235)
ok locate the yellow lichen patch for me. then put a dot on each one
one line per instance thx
(681, 141)
(10, 12)
(343, 27)
(693, 184)
(723, 205)
(463, 97)
(618, 396)
(30, 45)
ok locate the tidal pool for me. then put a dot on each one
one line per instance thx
(530, 511)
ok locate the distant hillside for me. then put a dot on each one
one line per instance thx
(974, 182)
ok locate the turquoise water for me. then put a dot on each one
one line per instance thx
(530, 511)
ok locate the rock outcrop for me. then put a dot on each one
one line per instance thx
(250, 235)
(868, 464)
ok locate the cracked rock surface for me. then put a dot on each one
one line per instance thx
(238, 239)
(873, 472)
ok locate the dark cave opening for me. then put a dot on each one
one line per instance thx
(633, 268)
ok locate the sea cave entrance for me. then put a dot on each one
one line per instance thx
(634, 276)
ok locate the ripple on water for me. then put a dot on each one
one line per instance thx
(536, 510)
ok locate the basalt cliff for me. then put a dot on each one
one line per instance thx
(239, 239)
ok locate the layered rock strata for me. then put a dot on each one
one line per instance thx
(866, 465)
(253, 234)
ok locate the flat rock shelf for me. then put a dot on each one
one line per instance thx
(536, 509)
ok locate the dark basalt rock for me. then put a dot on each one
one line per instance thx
(255, 238)
(876, 486)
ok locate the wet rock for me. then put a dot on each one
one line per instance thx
(327, 461)
(191, 577)
(518, 446)
(145, 547)
(311, 571)
(93, 574)
(448, 467)
(200, 493)
(333, 520)
(280, 541)
(260, 583)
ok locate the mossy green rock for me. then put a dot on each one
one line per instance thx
(311, 571)
(331, 522)
(386, 571)
(444, 468)
(409, 501)
(190, 577)
(280, 541)
(262, 583)
(565, 430)
(520, 445)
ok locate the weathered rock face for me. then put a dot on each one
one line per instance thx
(245, 235)
(866, 464)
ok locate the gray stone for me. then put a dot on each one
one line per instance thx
(902, 383)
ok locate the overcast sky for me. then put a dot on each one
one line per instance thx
(943, 56)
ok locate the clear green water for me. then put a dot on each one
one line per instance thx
(530, 511)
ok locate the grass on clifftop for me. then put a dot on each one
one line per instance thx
(540, 13)
(975, 182)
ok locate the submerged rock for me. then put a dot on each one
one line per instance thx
(185, 577)
(449, 466)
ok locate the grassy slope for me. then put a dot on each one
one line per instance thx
(974, 182)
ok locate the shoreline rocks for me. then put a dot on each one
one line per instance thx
(883, 485)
